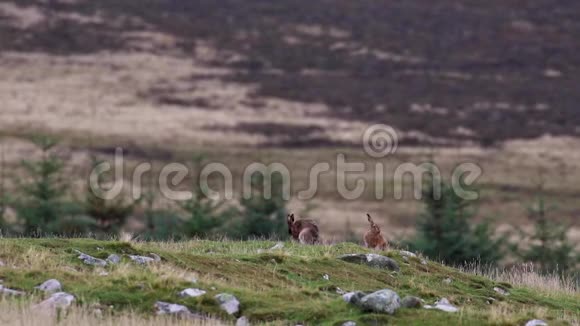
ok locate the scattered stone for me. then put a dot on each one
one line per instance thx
(2, 264)
(113, 259)
(490, 300)
(98, 313)
(423, 262)
(552, 73)
(142, 260)
(278, 246)
(372, 260)
(58, 300)
(90, 260)
(50, 286)
(501, 291)
(243, 321)
(166, 308)
(326, 277)
(192, 293)
(349, 323)
(103, 273)
(4, 291)
(536, 322)
(156, 257)
(340, 291)
(447, 280)
(383, 301)
(411, 302)
(443, 305)
(405, 253)
(228, 302)
(353, 297)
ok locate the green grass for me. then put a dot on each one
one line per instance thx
(282, 285)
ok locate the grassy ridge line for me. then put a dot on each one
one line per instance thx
(286, 284)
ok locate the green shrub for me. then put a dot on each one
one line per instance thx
(261, 216)
(446, 230)
(108, 215)
(43, 202)
(549, 247)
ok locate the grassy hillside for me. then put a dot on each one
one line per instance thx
(275, 286)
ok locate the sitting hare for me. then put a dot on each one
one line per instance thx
(305, 231)
(373, 237)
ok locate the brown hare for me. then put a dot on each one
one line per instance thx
(373, 238)
(305, 231)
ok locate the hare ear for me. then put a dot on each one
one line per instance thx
(369, 218)
(291, 218)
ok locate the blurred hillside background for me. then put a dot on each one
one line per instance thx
(296, 82)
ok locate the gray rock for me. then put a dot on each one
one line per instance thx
(501, 291)
(113, 259)
(142, 260)
(349, 323)
(191, 293)
(411, 302)
(50, 286)
(90, 260)
(242, 321)
(536, 322)
(166, 308)
(228, 303)
(57, 301)
(4, 291)
(405, 253)
(2, 264)
(447, 280)
(156, 257)
(278, 246)
(326, 277)
(383, 301)
(423, 262)
(372, 260)
(443, 305)
(353, 297)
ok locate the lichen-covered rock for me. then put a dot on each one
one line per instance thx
(443, 305)
(372, 260)
(113, 259)
(501, 291)
(166, 308)
(383, 301)
(353, 297)
(50, 286)
(4, 291)
(349, 323)
(57, 301)
(536, 322)
(405, 253)
(242, 321)
(228, 302)
(90, 260)
(411, 302)
(142, 260)
(191, 293)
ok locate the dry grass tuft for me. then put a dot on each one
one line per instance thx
(21, 314)
(526, 275)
